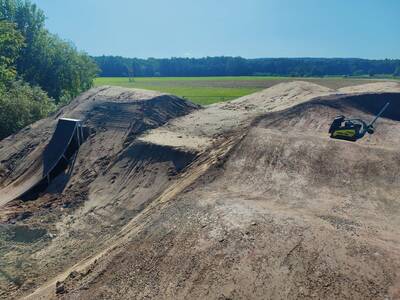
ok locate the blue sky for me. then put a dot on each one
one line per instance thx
(248, 28)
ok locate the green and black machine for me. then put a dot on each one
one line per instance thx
(353, 129)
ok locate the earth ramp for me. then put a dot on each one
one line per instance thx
(56, 156)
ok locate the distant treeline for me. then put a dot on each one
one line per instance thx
(38, 70)
(116, 66)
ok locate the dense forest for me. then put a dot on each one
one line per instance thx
(113, 66)
(38, 70)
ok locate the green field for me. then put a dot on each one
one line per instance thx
(208, 90)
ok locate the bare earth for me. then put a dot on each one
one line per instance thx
(247, 199)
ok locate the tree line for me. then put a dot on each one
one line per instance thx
(117, 66)
(38, 70)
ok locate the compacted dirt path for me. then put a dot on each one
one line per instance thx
(238, 200)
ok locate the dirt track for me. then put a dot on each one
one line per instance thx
(239, 200)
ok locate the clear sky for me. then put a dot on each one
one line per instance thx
(248, 28)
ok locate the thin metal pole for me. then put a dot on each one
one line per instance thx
(77, 135)
(379, 114)
(81, 131)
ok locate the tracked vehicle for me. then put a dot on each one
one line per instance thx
(352, 129)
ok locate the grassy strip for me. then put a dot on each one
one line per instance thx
(208, 90)
(197, 94)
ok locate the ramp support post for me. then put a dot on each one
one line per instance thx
(78, 135)
(81, 132)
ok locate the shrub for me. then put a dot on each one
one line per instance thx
(21, 105)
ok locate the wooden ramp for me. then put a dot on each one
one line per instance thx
(67, 138)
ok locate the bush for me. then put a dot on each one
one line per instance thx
(21, 105)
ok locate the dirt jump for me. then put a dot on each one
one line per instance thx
(247, 199)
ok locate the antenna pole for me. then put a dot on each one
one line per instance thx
(379, 114)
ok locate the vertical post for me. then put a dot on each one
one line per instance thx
(379, 114)
(78, 135)
(81, 132)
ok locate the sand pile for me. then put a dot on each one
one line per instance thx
(238, 200)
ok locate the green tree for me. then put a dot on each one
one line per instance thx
(46, 60)
(21, 105)
(112, 66)
(397, 71)
(11, 43)
(35, 64)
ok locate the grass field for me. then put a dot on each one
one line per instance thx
(208, 90)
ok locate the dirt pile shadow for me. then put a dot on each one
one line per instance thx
(373, 103)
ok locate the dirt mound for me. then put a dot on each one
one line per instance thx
(287, 213)
(115, 116)
(238, 200)
(201, 129)
(376, 87)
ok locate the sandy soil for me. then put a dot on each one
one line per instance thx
(241, 200)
